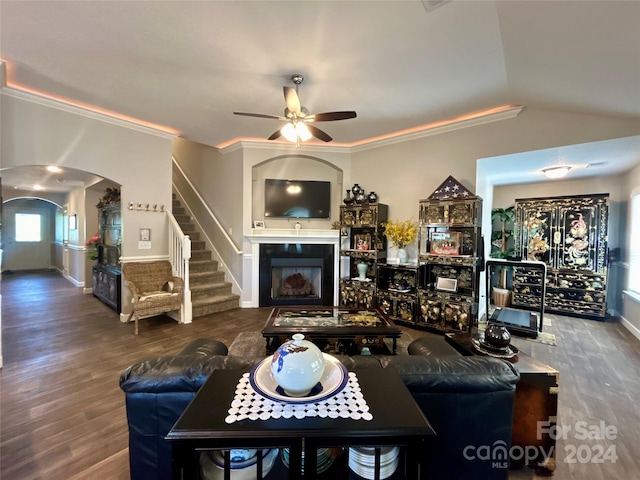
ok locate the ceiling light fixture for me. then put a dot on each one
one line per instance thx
(53, 169)
(296, 133)
(556, 172)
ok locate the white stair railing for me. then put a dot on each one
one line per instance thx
(179, 255)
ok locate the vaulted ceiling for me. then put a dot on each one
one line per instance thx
(187, 66)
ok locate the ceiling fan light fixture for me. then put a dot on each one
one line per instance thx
(295, 133)
(556, 172)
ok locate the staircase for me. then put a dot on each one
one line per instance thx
(210, 293)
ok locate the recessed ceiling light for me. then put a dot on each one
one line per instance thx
(37, 187)
(556, 172)
(53, 169)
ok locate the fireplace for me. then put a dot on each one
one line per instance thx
(296, 274)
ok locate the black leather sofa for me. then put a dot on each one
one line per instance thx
(468, 401)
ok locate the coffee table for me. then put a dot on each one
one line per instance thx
(536, 401)
(397, 421)
(333, 329)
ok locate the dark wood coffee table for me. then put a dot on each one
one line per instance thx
(397, 421)
(333, 329)
(536, 401)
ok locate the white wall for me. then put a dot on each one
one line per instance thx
(38, 131)
(296, 167)
(630, 306)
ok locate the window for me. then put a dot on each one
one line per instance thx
(28, 227)
(633, 282)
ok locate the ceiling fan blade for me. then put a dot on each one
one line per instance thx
(261, 115)
(330, 116)
(292, 100)
(319, 134)
(274, 135)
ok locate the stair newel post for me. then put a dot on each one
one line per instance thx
(187, 307)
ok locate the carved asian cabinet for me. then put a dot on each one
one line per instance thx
(362, 248)
(569, 234)
(450, 257)
(106, 281)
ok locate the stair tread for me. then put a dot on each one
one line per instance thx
(217, 273)
(214, 299)
(204, 286)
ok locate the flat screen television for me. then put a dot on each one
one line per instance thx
(297, 198)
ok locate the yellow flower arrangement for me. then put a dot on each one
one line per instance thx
(400, 233)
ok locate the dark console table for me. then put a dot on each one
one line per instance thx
(397, 421)
(536, 401)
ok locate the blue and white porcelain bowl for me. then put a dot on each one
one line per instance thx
(297, 366)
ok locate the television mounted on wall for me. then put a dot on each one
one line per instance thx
(297, 198)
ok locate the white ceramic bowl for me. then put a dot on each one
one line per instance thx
(297, 366)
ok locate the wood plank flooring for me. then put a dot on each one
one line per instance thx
(63, 415)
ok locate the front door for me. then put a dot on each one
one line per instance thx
(27, 245)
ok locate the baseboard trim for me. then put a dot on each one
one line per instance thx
(635, 331)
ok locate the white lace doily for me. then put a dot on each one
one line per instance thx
(249, 404)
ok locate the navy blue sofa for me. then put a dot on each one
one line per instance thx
(468, 401)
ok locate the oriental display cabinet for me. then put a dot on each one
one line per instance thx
(362, 248)
(396, 291)
(106, 275)
(568, 234)
(450, 258)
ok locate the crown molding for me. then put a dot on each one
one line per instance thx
(83, 112)
(442, 127)
(473, 119)
(258, 144)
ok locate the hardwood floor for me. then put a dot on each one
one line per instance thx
(63, 414)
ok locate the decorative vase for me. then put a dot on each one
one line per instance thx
(362, 271)
(361, 197)
(402, 256)
(372, 197)
(297, 366)
(356, 189)
(497, 337)
(348, 200)
(501, 297)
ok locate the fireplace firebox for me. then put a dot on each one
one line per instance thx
(296, 274)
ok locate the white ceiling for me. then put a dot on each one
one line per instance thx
(188, 65)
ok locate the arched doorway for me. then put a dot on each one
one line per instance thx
(32, 234)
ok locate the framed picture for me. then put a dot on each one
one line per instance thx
(447, 284)
(73, 222)
(362, 242)
(259, 224)
(145, 234)
(445, 243)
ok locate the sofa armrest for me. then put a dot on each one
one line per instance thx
(431, 345)
(204, 347)
(177, 373)
(454, 374)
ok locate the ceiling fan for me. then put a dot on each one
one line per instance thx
(299, 119)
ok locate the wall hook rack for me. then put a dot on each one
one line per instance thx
(146, 207)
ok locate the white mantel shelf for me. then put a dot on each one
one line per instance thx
(288, 235)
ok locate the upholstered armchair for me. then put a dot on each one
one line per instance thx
(154, 289)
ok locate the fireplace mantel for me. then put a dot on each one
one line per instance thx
(290, 235)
